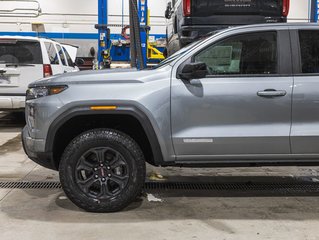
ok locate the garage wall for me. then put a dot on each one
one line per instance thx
(72, 15)
(72, 21)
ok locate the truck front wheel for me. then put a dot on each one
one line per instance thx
(102, 170)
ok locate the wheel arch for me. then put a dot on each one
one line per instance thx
(128, 112)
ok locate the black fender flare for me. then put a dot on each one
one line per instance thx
(121, 110)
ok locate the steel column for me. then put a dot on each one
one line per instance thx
(143, 17)
(104, 34)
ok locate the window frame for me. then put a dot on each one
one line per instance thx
(284, 57)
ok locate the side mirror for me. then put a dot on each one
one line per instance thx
(79, 61)
(193, 71)
(168, 12)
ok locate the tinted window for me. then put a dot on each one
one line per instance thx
(20, 52)
(61, 54)
(53, 56)
(309, 48)
(68, 58)
(254, 53)
(202, 8)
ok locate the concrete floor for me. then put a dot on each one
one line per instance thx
(48, 214)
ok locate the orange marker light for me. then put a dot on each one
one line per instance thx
(101, 108)
(56, 90)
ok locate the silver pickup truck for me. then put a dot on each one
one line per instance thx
(245, 96)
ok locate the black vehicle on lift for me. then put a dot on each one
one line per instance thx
(189, 20)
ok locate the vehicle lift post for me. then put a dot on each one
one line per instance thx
(138, 33)
(104, 51)
(315, 10)
(144, 28)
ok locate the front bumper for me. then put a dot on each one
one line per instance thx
(32, 148)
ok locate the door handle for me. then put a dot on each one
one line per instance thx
(65, 71)
(270, 93)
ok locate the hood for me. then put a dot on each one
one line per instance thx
(106, 76)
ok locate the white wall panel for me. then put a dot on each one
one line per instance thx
(78, 15)
(299, 11)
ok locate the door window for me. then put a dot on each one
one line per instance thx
(68, 58)
(309, 49)
(254, 53)
(61, 54)
(53, 56)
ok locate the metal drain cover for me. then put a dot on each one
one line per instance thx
(30, 185)
(287, 187)
(243, 186)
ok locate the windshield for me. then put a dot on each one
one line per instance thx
(183, 50)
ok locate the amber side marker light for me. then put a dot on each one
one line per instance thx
(56, 90)
(100, 108)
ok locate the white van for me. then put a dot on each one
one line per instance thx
(26, 59)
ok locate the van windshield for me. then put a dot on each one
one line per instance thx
(14, 51)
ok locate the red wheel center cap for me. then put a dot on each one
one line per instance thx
(102, 172)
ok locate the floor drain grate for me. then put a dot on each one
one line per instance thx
(287, 187)
(295, 187)
(30, 185)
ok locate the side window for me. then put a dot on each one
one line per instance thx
(61, 54)
(53, 56)
(309, 49)
(68, 58)
(253, 53)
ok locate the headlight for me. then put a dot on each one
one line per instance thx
(38, 92)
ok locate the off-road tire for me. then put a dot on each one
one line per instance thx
(96, 138)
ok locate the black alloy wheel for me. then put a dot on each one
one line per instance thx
(102, 170)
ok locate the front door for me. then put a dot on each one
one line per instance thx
(243, 107)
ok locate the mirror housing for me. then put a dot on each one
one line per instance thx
(168, 11)
(193, 71)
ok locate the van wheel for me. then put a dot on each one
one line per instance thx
(173, 45)
(102, 170)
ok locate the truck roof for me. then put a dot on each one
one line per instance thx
(272, 26)
(276, 25)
